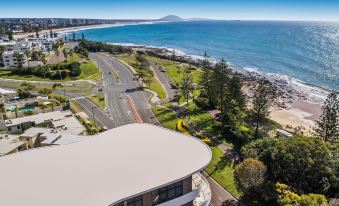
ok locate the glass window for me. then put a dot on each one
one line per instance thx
(136, 201)
(167, 193)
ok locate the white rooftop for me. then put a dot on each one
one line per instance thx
(69, 125)
(7, 43)
(102, 170)
(39, 118)
(58, 139)
(9, 143)
(6, 91)
(34, 131)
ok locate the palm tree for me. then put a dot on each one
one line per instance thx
(28, 55)
(45, 91)
(57, 52)
(3, 110)
(55, 85)
(65, 53)
(44, 60)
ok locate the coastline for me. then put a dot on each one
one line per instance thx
(303, 101)
(68, 29)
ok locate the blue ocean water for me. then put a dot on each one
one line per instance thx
(307, 51)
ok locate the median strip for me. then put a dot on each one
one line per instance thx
(134, 111)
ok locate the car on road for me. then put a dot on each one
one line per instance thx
(162, 69)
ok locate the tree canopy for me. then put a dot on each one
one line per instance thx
(306, 164)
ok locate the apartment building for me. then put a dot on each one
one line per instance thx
(132, 165)
(14, 59)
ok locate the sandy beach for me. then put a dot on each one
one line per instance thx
(300, 114)
(68, 29)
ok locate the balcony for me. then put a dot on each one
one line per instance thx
(200, 194)
(201, 184)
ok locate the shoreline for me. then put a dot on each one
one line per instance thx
(303, 100)
(70, 29)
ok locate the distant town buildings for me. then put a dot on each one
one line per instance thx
(19, 25)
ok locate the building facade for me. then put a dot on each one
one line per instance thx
(14, 59)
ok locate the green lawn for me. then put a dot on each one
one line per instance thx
(98, 99)
(89, 70)
(201, 118)
(221, 170)
(166, 117)
(174, 70)
(154, 84)
(74, 58)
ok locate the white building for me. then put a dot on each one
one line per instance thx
(10, 60)
(62, 121)
(45, 44)
(23, 46)
(133, 165)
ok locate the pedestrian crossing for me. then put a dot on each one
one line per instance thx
(77, 98)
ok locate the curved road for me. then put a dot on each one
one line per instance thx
(116, 91)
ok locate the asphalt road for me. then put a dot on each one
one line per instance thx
(116, 91)
(164, 81)
(119, 111)
(101, 117)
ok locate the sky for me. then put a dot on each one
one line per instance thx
(323, 10)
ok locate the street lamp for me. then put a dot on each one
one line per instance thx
(93, 115)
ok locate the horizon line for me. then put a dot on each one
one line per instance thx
(184, 19)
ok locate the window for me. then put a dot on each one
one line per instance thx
(136, 201)
(167, 193)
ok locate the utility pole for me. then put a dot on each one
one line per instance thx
(62, 83)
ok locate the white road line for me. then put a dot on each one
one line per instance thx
(96, 118)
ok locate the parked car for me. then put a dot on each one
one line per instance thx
(162, 69)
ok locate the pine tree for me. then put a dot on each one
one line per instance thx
(220, 77)
(234, 104)
(328, 125)
(186, 87)
(73, 34)
(205, 78)
(36, 32)
(51, 33)
(82, 36)
(261, 104)
(10, 35)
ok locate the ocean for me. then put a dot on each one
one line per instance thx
(305, 53)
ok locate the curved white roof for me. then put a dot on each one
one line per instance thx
(105, 169)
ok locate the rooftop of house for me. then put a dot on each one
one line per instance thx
(103, 170)
(39, 118)
(61, 139)
(9, 143)
(35, 131)
(7, 43)
(7, 91)
(68, 125)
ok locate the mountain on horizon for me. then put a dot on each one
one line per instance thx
(171, 18)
